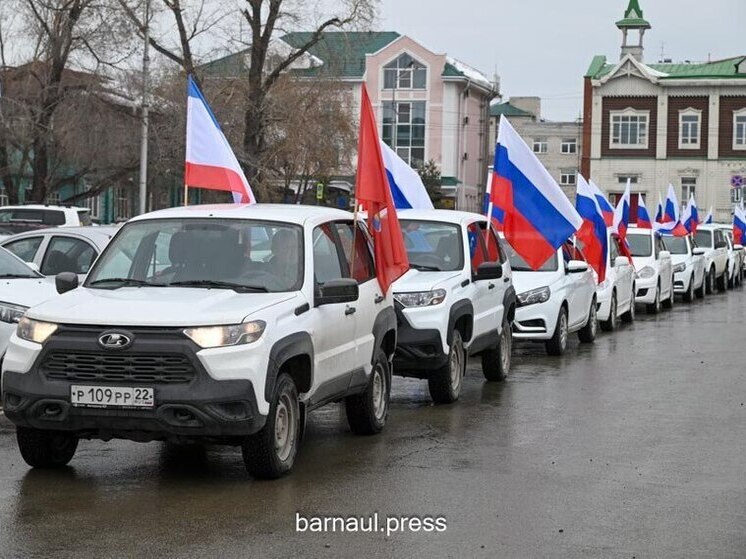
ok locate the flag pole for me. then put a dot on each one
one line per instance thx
(186, 194)
(488, 190)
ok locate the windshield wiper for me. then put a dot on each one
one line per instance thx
(17, 276)
(127, 282)
(218, 285)
(425, 268)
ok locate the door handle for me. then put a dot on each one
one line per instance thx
(491, 286)
(350, 310)
(379, 298)
(506, 280)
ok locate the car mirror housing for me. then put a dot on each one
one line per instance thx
(664, 255)
(65, 281)
(621, 261)
(737, 247)
(343, 290)
(577, 266)
(698, 251)
(489, 271)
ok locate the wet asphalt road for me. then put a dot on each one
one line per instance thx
(633, 447)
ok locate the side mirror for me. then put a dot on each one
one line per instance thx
(621, 261)
(576, 266)
(66, 281)
(489, 271)
(343, 290)
(698, 251)
(664, 255)
(737, 247)
(33, 265)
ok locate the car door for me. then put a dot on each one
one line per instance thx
(624, 277)
(334, 324)
(67, 254)
(721, 251)
(371, 300)
(27, 248)
(579, 291)
(488, 295)
(665, 267)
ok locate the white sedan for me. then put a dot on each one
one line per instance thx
(654, 269)
(688, 267)
(735, 257)
(20, 288)
(616, 294)
(554, 301)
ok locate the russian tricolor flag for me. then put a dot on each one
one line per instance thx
(671, 224)
(405, 183)
(708, 218)
(621, 213)
(739, 226)
(538, 216)
(606, 208)
(210, 161)
(643, 217)
(593, 231)
(659, 210)
(690, 219)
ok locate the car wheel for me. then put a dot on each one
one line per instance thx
(655, 306)
(587, 334)
(445, 383)
(496, 361)
(611, 324)
(669, 303)
(558, 343)
(722, 281)
(270, 453)
(710, 281)
(46, 449)
(366, 412)
(629, 316)
(689, 293)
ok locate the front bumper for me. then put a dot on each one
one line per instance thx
(192, 405)
(681, 281)
(646, 289)
(536, 322)
(419, 352)
(603, 297)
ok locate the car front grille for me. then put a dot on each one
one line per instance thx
(101, 367)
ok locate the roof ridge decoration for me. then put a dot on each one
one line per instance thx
(643, 71)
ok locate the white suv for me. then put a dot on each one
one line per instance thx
(654, 269)
(688, 267)
(19, 219)
(457, 300)
(208, 323)
(712, 239)
(616, 294)
(555, 300)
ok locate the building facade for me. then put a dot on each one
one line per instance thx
(665, 123)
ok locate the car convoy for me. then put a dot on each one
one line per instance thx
(229, 324)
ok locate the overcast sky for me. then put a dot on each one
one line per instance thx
(544, 47)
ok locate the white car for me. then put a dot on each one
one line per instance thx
(457, 300)
(688, 266)
(711, 238)
(18, 219)
(654, 269)
(616, 294)
(21, 287)
(735, 257)
(201, 339)
(556, 300)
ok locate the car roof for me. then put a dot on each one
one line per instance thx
(286, 213)
(43, 207)
(634, 230)
(709, 226)
(447, 216)
(94, 233)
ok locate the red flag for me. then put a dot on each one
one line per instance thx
(373, 193)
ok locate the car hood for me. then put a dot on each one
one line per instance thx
(414, 280)
(27, 292)
(641, 261)
(526, 281)
(155, 306)
(679, 258)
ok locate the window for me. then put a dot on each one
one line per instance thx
(629, 129)
(363, 269)
(613, 250)
(25, 249)
(569, 145)
(121, 204)
(703, 238)
(568, 177)
(4, 200)
(540, 145)
(639, 245)
(404, 73)
(93, 203)
(433, 246)
(53, 199)
(326, 262)
(476, 247)
(66, 254)
(735, 195)
(404, 130)
(689, 128)
(688, 189)
(633, 179)
(739, 129)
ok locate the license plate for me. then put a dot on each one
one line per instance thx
(112, 397)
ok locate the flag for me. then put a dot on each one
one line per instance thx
(708, 218)
(671, 224)
(643, 217)
(739, 226)
(592, 233)
(538, 215)
(372, 191)
(659, 210)
(210, 161)
(405, 183)
(621, 213)
(488, 208)
(690, 219)
(603, 203)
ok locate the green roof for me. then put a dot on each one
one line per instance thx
(718, 69)
(633, 17)
(508, 110)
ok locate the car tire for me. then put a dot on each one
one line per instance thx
(45, 449)
(587, 334)
(669, 303)
(557, 345)
(710, 282)
(688, 295)
(367, 412)
(722, 281)
(445, 383)
(496, 361)
(270, 453)
(611, 324)
(655, 306)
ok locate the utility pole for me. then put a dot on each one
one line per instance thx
(145, 120)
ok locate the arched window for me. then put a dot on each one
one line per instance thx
(404, 73)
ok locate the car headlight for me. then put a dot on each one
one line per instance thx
(680, 267)
(35, 330)
(540, 295)
(421, 298)
(646, 272)
(11, 313)
(221, 336)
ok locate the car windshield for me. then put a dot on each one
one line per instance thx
(433, 246)
(518, 264)
(244, 255)
(640, 245)
(676, 245)
(703, 239)
(11, 267)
